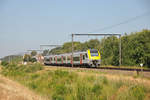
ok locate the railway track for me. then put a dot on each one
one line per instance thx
(145, 73)
(125, 69)
(112, 68)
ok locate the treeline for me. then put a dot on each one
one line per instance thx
(12, 58)
(19, 58)
(135, 48)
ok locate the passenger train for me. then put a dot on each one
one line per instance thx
(89, 58)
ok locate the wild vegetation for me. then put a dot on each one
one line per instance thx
(29, 58)
(12, 59)
(135, 48)
(73, 85)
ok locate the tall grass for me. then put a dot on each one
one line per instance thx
(70, 85)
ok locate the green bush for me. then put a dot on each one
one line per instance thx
(4, 63)
(13, 69)
(133, 92)
(33, 60)
(32, 85)
(61, 89)
(57, 97)
(137, 92)
(83, 91)
(61, 73)
(33, 68)
(96, 89)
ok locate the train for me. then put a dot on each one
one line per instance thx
(88, 58)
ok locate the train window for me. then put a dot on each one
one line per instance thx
(86, 55)
(47, 59)
(83, 57)
(93, 51)
(64, 58)
(76, 58)
(68, 58)
(94, 54)
(58, 59)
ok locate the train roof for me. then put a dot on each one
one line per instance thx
(78, 52)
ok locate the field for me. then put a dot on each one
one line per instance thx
(55, 83)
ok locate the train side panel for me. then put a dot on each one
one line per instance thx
(91, 57)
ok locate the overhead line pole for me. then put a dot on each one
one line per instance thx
(120, 51)
(102, 34)
(72, 50)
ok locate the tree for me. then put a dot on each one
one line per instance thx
(33, 53)
(33, 60)
(45, 52)
(27, 58)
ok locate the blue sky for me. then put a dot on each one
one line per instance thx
(25, 24)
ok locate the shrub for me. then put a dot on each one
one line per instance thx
(34, 76)
(137, 92)
(83, 91)
(33, 60)
(33, 68)
(57, 97)
(103, 80)
(4, 63)
(61, 89)
(134, 92)
(97, 88)
(61, 73)
(32, 85)
(13, 69)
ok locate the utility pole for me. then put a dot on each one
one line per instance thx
(120, 54)
(72, 50)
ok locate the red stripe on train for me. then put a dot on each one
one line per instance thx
(56, 59)
(62, 59)
(80, 58)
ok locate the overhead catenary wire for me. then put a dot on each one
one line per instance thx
(123, 22)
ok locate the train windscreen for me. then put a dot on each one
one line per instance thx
(94, 52)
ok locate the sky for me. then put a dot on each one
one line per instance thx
(26, 24)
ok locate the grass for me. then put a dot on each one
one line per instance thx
(62, 84)
(130, 67)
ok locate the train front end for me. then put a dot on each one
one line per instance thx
(94, 57)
